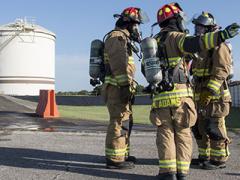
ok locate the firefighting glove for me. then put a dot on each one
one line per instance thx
(230, 31)
(205, 98)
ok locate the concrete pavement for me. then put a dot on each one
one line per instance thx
(35, 149)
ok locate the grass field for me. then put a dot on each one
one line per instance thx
(140, 113)
(100, 113)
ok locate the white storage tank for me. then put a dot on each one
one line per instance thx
(27, 58)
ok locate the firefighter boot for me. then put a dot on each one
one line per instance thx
(166, 176)
(181, 176)
(131, 159)
(119, 165)
(198, 162)
(213, 165)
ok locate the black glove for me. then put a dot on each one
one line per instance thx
(230, 31)
(147, 89)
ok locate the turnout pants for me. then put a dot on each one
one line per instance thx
(120, 124)
(174, 139)
(212, 136)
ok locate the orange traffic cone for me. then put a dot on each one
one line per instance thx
(47, 107)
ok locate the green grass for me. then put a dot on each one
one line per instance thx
(100, 113)
(140, 113)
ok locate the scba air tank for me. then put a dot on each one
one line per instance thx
(151, 62)
(96, 59)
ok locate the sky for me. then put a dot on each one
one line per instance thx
(77, 22)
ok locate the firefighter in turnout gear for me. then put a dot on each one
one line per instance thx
(173, 110)
(211, 70)
(119, 85)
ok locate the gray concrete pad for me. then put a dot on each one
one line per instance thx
(69, 156)
(74, 150)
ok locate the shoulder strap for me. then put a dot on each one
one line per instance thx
(162, 51)
(107, 35)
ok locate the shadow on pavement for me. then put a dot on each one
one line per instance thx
(87, 164)
(233, 174)
(142, 161)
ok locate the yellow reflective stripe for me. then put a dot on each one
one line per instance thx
(219, 152)
(168, 166)
(109, 80)
(115, 152)
(167, 163)
(183, 162)
(118, 80)
(183, 168)
(130, 60)
(170, 98)
(128, 149)
(173, 102)
(174, 60)
(212, 40)
(214, 85)
(206, 40)
(183, 165)
(121, 78)
(180, 44)
(225, 33)
(204, 152)
(218, 155)
(217, 84)
(200, 72)
(196, 96)
(209, 40)
(174, 94)
(154, 104)
(226, 93)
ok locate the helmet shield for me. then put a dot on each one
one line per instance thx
(135, 33)
(143, 17)
(184, 17)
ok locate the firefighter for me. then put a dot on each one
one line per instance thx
(173, 110)
(119, 85)
(211, 70)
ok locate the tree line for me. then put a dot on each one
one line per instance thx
(96, 91)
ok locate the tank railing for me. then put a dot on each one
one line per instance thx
(22, 25)
(25, 24)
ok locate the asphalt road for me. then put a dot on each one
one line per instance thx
(32, 148)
